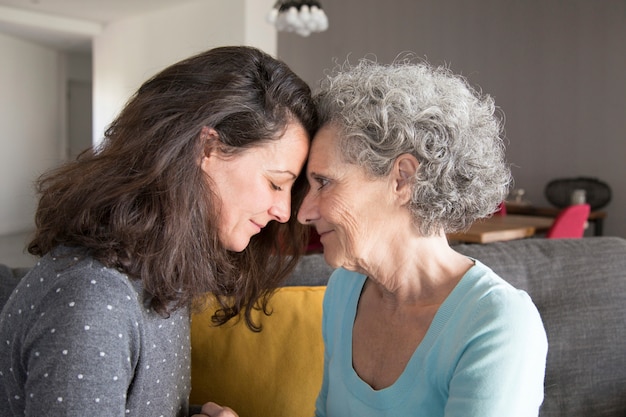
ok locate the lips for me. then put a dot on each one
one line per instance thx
(259, 226)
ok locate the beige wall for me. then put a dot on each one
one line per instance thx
(131, 50)
(555, 67)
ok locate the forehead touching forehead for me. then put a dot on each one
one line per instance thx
(322, 149)
(290, 150)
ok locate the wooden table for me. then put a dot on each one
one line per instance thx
(595, 217)
(499, 228)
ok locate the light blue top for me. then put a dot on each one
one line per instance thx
(483, 355)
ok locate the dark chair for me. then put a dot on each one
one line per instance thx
(570, 222)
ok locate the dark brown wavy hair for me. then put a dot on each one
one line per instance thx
(141, 203)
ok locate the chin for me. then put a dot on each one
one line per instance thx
(331, 260)
(238, 246)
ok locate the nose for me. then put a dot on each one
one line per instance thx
(308, 209)
(281, 209)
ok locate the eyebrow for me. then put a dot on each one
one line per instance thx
(275, 171)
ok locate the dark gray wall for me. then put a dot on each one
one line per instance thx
(557, 68)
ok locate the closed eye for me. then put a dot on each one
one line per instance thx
(275, 187)
(320, 181)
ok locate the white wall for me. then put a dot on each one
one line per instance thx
(130, 51)
(33, 83)
(556, 68)
(32, 125)
(79, 67)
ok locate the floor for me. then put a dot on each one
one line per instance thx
(13, 250)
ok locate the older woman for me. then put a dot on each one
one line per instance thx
(406, 153)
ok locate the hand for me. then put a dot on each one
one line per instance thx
(214, 410)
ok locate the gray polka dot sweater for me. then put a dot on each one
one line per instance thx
(77, 340)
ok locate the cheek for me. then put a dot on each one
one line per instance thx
(346, 221)
(250, 196)
(225, 227)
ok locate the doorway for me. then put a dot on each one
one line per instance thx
(79, 114)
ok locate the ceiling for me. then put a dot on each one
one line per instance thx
(69, 25)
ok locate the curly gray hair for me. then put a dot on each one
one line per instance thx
(383, 111)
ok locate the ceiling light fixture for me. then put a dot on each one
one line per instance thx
(300, 16)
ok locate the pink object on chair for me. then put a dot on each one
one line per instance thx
(570, 222)
(501, 211)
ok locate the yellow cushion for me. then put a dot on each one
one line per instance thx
(277, 372)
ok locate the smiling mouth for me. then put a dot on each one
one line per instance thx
(257, 225)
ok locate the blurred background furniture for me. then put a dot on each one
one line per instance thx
(595, 218)
(314, 245)
(563, 192)
(501, 211)
(499, 228)
(570, 223)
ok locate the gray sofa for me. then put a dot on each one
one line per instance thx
(579, 287)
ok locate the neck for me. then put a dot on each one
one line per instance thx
(419, 270)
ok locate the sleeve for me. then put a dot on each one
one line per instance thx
(81, 351)
(501, 369)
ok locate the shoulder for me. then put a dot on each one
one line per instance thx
(486, 303)
(77, 306)
(73, 286)
(485, 288)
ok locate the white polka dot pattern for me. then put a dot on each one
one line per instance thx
(79, 337)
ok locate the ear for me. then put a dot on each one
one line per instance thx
(209, 138)
(404, 170)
